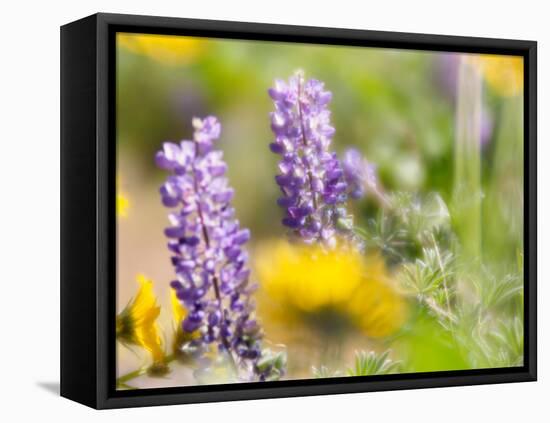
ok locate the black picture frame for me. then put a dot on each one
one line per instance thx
(88, 227)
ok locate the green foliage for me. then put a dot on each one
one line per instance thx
(371, 363)
(503, 186)
(463, 308)
(324, 372)
(426, 275)
(365, 364)
(505, 343)
(495, 292)
(421, 217)
(427, 346)
(488, 343)
(407, 226)
(386, 234)
(490, 321)
(272, 364)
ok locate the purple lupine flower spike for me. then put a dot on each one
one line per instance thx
(210, 262)
(361, 177)
(359, 173)
(311, 177)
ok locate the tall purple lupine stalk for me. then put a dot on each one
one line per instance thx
(212, 276)
(311, 177)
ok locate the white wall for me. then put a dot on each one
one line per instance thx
(29, 235)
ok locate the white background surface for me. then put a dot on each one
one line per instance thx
(29, 175)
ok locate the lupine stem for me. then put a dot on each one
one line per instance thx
(304, 140)
(215, 278)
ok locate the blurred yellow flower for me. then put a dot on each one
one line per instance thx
(137, 323)
(178, 310)
(167, 49)
(122, 201)
(306, 284)
(122, 205)
(504, 74)
(376, 306)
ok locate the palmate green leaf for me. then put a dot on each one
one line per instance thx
(469, 333)
(365, 364)
(506, 343)
(409, 224)
(421, 216)
(418, 279)
(488, 342)
(371, 363)
(440, 296)
(324, 372)
(495, 291)
(387, 234)
(426, 276)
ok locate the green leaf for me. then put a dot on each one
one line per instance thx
(425, 276)
(371, 363)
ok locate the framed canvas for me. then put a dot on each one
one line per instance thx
(259, 211)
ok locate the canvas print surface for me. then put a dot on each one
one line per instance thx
(298, 211)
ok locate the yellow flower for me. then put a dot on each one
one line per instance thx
(137, 323)
(122, 205)
(178, 310)
(307, 278)
(122, 201)
(168, 49)
(329, 290)
(504, 74)
(376, 307)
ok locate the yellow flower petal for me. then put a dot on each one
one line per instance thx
(178, 310)
(377, 307)
(141, 314)
(122, 205)
(122, 201)
(504, 74)
(308, 277)
(168, 49)
(300, 283)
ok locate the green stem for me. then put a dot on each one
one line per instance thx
(362, 233)
(431, 303)
(380, 197)
(443, 274)
(140, 372)
(467, 160)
